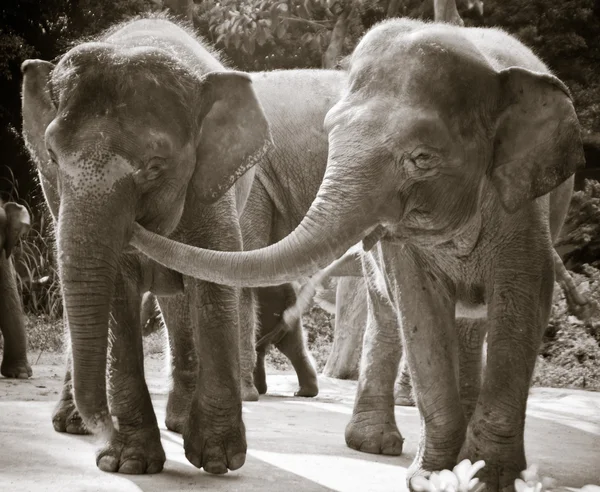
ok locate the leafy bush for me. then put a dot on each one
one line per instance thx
(580, 238)
(37, 273)
(570, 351)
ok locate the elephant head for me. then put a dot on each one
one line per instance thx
(428, 133)
(14, 223)
(123, 133)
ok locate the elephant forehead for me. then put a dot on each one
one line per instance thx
(434, 64)
(95, 172)
(128, 83)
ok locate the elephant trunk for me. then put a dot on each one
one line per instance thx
(89, 245)
(336, 220)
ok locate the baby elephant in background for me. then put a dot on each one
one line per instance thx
(14, 222)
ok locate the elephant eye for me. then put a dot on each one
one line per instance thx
(423, 159)
(53, 158)
(154, 167)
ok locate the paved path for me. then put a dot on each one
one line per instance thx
(294, 444)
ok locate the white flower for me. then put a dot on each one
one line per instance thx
(530, 481)
(460, 479)
(465, 471)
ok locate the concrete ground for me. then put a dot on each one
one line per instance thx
(293, 444)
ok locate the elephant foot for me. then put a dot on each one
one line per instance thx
(215, 444)
(178, 409)
(17, 369)
(66, 418)
(260, 376)
(135, 453)
(308, 390)
(261, 387)
(503, 461)
(403, 397)
(249, 392)
(374, 432)
(307, 378)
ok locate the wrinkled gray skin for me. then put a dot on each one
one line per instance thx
(340, 289)
(285, 184)
(145, 125)
(454, 153)
(14, 222)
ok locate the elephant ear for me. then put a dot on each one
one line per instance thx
(18, 223)
(38, 112)
(234, 134)
(537, 143)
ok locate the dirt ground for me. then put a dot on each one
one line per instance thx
(295, 444)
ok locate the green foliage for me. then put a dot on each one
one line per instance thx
(43, 30)
(566, 35)
(570, 352)
(318, 330)
(267, 34)
(37, 274)
(580, 238)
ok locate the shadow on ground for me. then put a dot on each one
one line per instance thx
(294, 444)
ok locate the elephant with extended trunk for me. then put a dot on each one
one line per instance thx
(453, 147)
(144, 124)
(14, 222)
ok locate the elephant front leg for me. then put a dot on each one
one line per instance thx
(134, 446)
(372, 428)
(184, 361)
(519, 312)
(403, 395)
(12, 324)
(431, 348)
(215, 437)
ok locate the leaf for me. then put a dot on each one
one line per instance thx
(281, 30)
(249, 45)
(315, 43)
(261, 35)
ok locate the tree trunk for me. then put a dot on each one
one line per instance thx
(446, 11)
(393, 8)
(338, 35)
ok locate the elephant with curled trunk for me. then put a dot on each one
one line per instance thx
(144, 124)
(460, 145)
(14, 222)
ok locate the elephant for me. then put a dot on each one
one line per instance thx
(452, 152)
(340, 290)
(14, 222)
(144, 123)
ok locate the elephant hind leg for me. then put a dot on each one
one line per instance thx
(248, 360)
(273, 302)
(260, 375)
(293, 346)
(403, 394)
(372, 428)
(65, 417)
(184, 361)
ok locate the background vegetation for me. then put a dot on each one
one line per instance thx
(270, 34)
